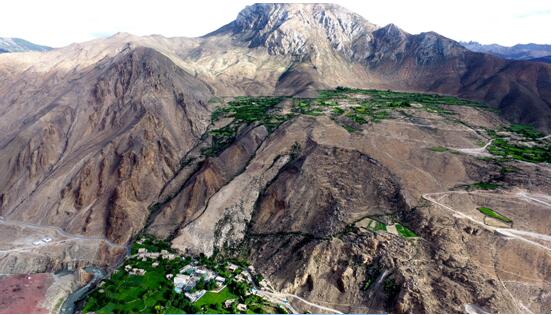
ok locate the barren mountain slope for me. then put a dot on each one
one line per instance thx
(106, 139)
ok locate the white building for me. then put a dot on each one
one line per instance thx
(228, 303)
(185, 282)
(232, 267)
(193, 297)
(242, 307)
(137, 272)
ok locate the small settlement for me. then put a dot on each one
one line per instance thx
(199, 284)
(194, 280)
(191, 275)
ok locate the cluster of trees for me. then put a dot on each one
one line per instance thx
(203, 284)
(238, 288)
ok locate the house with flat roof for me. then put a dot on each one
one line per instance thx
(242, 307)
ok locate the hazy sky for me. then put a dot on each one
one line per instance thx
(61, 22)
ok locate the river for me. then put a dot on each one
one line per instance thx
(70, 303)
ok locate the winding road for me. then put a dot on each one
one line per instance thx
(283, 298)
(513, 233)
(482, 151)
(56, 229)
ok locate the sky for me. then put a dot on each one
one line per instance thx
(58, 23)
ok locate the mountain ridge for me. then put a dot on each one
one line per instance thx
(325, 49)
(529, 51)
(13, 44)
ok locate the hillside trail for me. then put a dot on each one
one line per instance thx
(59, 231)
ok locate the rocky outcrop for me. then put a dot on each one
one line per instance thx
(280, 28)
(98, 158)
(191, 198)
(338, 185)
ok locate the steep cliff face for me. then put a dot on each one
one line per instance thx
(188, 194)
(280, 28)
(94, 162)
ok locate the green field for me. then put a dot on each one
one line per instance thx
(404, 231)
(377, 226)
(535, 154)
(243, 111)
(526, 131)
(493, 214)
(216, 298)
(439, 149)
(528, 145)
(483, 186)
(373, 105)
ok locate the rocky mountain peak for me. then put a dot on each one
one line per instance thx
(299, 29)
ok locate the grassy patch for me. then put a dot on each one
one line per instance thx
(484, 186)
(534, 154)
(243, 111)
(375, 105)
(493, 214)
(526, 131)
(439, 149)
(404, 231)
(216, 298)
(375, 226)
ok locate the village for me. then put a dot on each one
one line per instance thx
(199, 280)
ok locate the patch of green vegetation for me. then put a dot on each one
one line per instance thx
(372, 274)
(526, 131)
(493, 214)
(151, 244)
(439, 149)
(376, 105)
(154, 293)
(337, 111)
(404, 231)
(357, 118)
(349, 128)
(243, 111)
(483, 186)
(534, 154)
(216, 298)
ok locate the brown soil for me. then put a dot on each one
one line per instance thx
(20, 294)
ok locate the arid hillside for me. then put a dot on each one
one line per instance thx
(283, 138)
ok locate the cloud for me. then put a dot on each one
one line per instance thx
(533, 14)
(101, 34)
